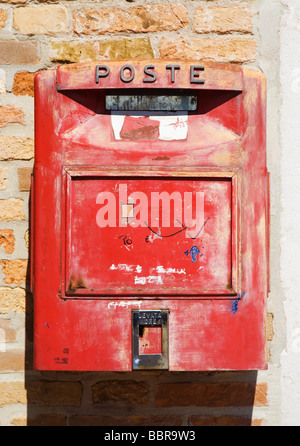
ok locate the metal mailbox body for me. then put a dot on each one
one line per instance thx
(150, 217)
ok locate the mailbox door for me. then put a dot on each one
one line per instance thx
(150, 242)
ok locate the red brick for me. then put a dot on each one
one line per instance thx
(129, 391)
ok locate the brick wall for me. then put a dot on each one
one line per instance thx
(40, 34)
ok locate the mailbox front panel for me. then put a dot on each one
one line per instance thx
(141, 236)
(150, 217)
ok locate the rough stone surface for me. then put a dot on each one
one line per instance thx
(221, 20)
(18, 52)
(139, 19)
(16, 148)
(44, 19)
(223, 49)
(9, 114)
(14, 271)
(11, 209)
(7, 240)
(73, 51)
(12, 299)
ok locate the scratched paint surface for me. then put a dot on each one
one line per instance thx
(148, 236)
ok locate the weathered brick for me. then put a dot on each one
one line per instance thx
(24, 175)
(8, 334)
(261, 394)
(129, 391)
(75, 51)
(3, 178)
(224, 420)
(16, 148)
(11, 209)
(12, 393)
(48, 19)
(7, 240)
(12, 360)
(55, 393)
(18, 52)
(14, 1)
(236, 49)
(125, 420)
(24, 83)
(14, 271)
(47, 420)
(220, 19)
(139, 19)
(12, 299)
(3, 18)
(9, 114)
(19, 421)
(27, 239)
(2, 81)
(270, 329)
(210, 394)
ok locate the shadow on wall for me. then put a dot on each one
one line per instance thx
(139, 398)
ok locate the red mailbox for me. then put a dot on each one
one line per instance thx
(150, 217)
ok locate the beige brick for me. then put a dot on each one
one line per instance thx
(74, 51)
(9, 333)
(2, 81)
(12, 393)
(222, 49)
(11, 209)
(139, 19)
(3, 178)
(3, 18)
(7, 240)
(12, 299)
(270, 330)
(16, 148)
(219, 19)
(261, 394)
(18, 52)
(12, 360)
(24, 83)
(24, 175)
(27, 239)
(48, 19)
(9, 114)
(19, 421)
(14, 271)
(14, 2)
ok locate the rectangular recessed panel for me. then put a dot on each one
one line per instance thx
(140, 236)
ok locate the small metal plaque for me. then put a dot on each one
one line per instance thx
(151, 102)
(148, 318)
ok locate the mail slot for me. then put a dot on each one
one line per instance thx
(150, 217)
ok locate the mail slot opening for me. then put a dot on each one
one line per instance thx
(150, 340)
(150, 102)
